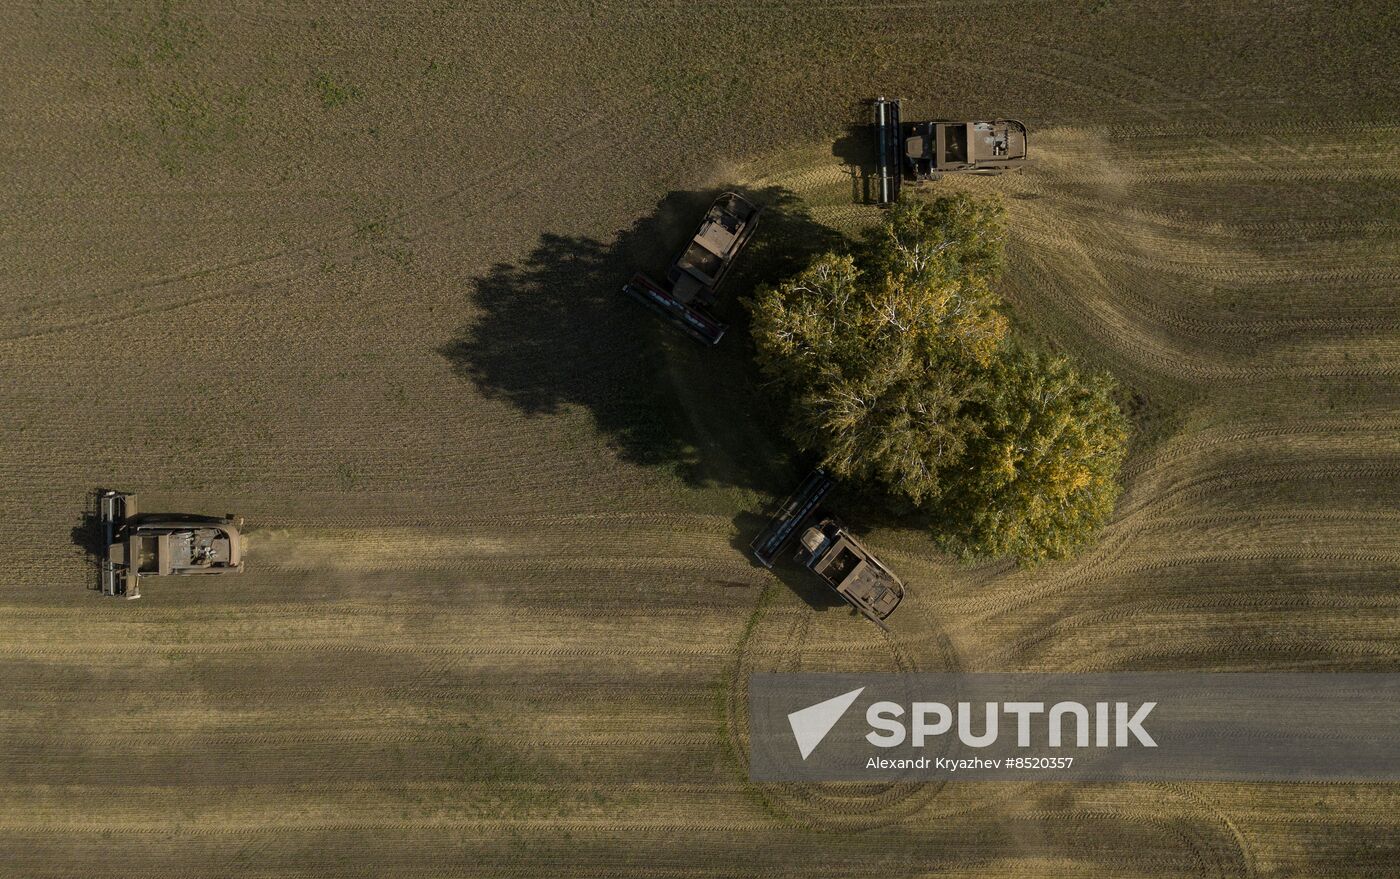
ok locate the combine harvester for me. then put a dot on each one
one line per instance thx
(160, 545)
(694, 277)
(830, 551)
(922, 151)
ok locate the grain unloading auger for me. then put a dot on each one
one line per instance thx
(693, 279)
(162, 544)
(830, 551)
(921, 151)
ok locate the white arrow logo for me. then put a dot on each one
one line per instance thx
(811, 724)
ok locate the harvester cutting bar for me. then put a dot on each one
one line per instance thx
(791, 516)
(887, 137)
(113, 512)
(695, 323)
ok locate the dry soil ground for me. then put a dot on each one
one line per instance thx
(350, 270)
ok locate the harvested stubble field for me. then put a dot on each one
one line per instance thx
(351, 271)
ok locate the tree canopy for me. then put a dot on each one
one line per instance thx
(896, 367)
(1041, 476)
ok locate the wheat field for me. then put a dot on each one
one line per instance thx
(351, 272)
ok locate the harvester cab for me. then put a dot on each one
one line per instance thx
(920, 151)
(162, 545)
(830, 551)
(693, 279)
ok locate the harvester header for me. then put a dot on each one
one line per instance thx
(887, 140)
(794, 512)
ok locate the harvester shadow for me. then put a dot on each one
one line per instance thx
(555, 332)
(90, 536)
(856, 150)
(804, 584)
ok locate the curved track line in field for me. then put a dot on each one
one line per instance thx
(860, 807)
(1236, 860)
(1129, 608)
(1220, 271)
(1136, 344)
(1046, 275)
(1242, 848)
(1236, 343)
(1166, 358)
(845, 807)
(1233, 473)
(1125, 332)
(1079, 577)
(805, 179)
(1227, 332)
(1213, 439)
(1132, 521)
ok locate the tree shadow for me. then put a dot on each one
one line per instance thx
(555, 332)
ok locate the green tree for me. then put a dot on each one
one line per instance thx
(1041, 476)
(879, 366)
(955, 236)
(895, 367)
